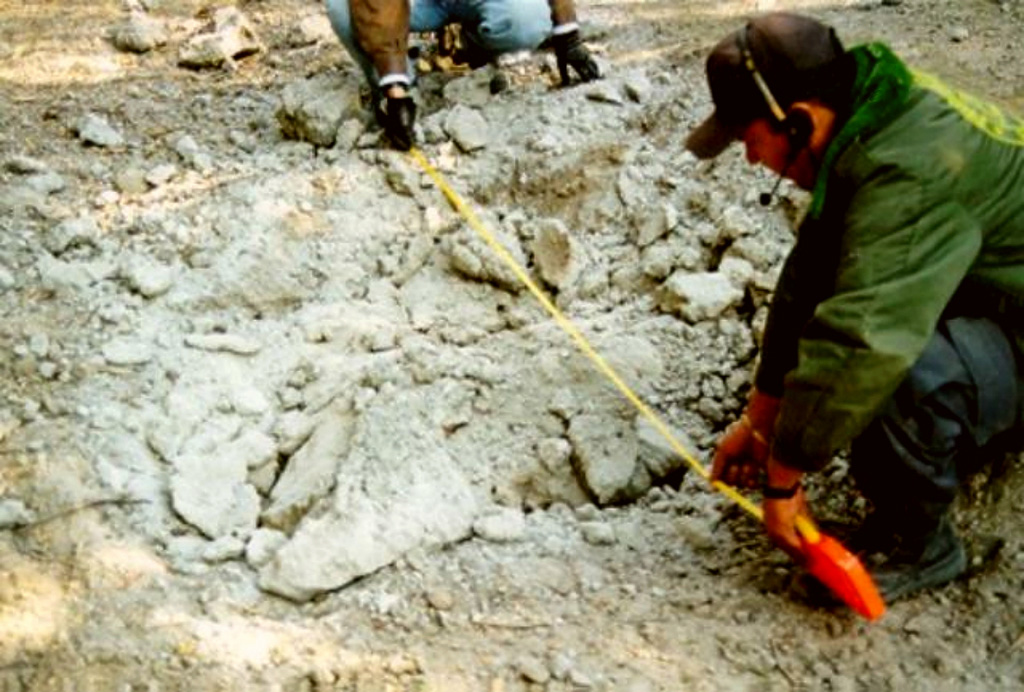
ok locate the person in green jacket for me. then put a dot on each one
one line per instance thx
(897, 327)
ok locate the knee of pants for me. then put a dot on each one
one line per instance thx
(510, 25)
(902, 460)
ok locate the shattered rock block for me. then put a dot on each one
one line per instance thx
(314, 109)
(229, 37)
(699, 296)
(398, 490)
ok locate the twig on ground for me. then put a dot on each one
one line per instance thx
(117, 501)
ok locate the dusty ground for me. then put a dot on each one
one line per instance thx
(185, 326)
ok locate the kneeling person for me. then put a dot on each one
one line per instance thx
(376, 34)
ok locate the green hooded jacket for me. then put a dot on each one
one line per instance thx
(918, 209)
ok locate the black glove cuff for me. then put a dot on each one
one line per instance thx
(772, 493)
(566, 41)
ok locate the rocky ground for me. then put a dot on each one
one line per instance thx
(273, 418)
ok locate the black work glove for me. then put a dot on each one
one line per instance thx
(397, 115)
(570, 52)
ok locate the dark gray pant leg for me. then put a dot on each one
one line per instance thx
(963, 391)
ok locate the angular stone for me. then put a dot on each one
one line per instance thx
(14, 513)
(25, 165)
(131, 181)
(656, 453)
(47, 183)
(147, 278)
(314, 109)
(699, 296)
(468, 128)
(310, 473)
(140, 34)
(555, 253)
(93, 129)
(228, 37)
(262, 545)
(211, 492)
(81, 230)
(470, 256)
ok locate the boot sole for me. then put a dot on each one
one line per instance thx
(896, 585)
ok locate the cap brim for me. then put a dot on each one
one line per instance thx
(710, 138)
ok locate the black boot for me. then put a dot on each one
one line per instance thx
(923, 560)
(900, 565)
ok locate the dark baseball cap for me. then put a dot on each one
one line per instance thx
(797, 56)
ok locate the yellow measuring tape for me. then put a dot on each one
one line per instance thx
(804, 525)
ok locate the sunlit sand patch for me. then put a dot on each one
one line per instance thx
(33, 609)
(253, 642)
(43, 69)
(120, 566)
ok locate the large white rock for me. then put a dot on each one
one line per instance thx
(396, 491)
(210, 491)
(699, 296)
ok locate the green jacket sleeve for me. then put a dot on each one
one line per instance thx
(903, 252)
(808, 275)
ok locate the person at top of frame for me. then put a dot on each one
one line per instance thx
(376, 34)
(897, 326)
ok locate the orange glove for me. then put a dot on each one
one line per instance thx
(743, 449)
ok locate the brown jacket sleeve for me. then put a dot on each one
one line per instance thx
(562, 11)
(382, 30)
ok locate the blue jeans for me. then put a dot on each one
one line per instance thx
(964, 393)
(498, 26)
